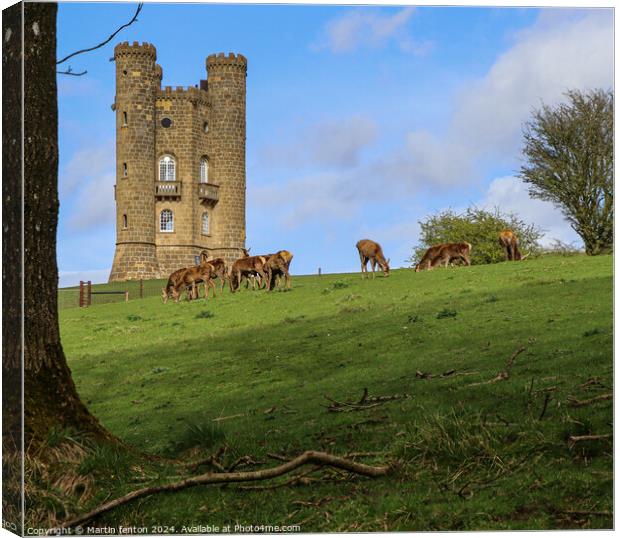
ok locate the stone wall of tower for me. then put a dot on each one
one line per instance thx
(143, 250)
(137, 78)
(227, 96)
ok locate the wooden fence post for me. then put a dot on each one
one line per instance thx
(126, 296)
(81, 299)
(89, 295)
(141, 289)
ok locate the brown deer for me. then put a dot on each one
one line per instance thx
(371, 251)
(244, 268)
(188, 279)
(427, 260)
(219, 265)
(453, 251)
(443, 254)
(510, 243)
(173, 282)
(193, 276)
(277, 266)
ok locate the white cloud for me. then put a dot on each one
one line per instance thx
(95, 204)
(363, 27)
(558, 53)
(329, 143)
(510, 195)
(87, 187)
(85, 165)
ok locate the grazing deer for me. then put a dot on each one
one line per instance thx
(510, 243)
(246, 267)
(371, 251)
(444, 253)
(188, 279)
(453, 251)
(173, 282)
(219, 265)
(277, 266)
(427, 260)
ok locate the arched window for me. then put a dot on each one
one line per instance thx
(167, 169)
(125, 221)
(166, 221)
(204, 170)
(205, 223)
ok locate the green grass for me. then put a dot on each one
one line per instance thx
(470, 454)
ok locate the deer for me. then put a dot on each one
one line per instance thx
(246, 267)
(443, 254)
(427, 260)
(371, 251)
(509, 241)
(277, 266)
(188, 279)
(174, 281)
(219, 265)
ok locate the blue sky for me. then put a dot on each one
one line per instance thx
(361, 121)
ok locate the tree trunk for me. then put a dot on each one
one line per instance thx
(50, 396)
(12, 268)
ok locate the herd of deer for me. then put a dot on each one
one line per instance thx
(435, 256)
(266, 270)
(263, 270)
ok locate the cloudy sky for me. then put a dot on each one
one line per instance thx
(361, 120)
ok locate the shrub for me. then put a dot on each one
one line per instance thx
(480, 228)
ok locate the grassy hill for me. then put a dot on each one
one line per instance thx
(248, 373)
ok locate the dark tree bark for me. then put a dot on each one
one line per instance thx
(12, 266)
(50, 396)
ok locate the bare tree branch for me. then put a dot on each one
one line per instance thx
(317, 458)
(70, 71)
(134, 19)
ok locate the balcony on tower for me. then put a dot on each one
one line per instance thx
(208, 192)
(167, 189)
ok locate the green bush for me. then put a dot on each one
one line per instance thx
(480, 228)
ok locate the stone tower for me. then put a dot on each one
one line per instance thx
(180, 170)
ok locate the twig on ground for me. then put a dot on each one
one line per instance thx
(581, 403)
(309, 457)
(594, 382)
(578, 438)
(219, 419)
(211, 460)
(295, 479)
(544, 409)
(365, 402)
(277, 457)
(505, 374)
(449, 373)
(587, 513)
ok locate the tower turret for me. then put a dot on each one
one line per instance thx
(138, 78)
(227, 125)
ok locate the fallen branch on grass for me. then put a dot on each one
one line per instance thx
(578, 438)
(587, 513)
(309, 457)
(581, 403)
(219, 419)
(449, 373)
(505, 374)
(593, 381)
(299, 478)
(365, 402)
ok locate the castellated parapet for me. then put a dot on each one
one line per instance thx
(180, 164)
